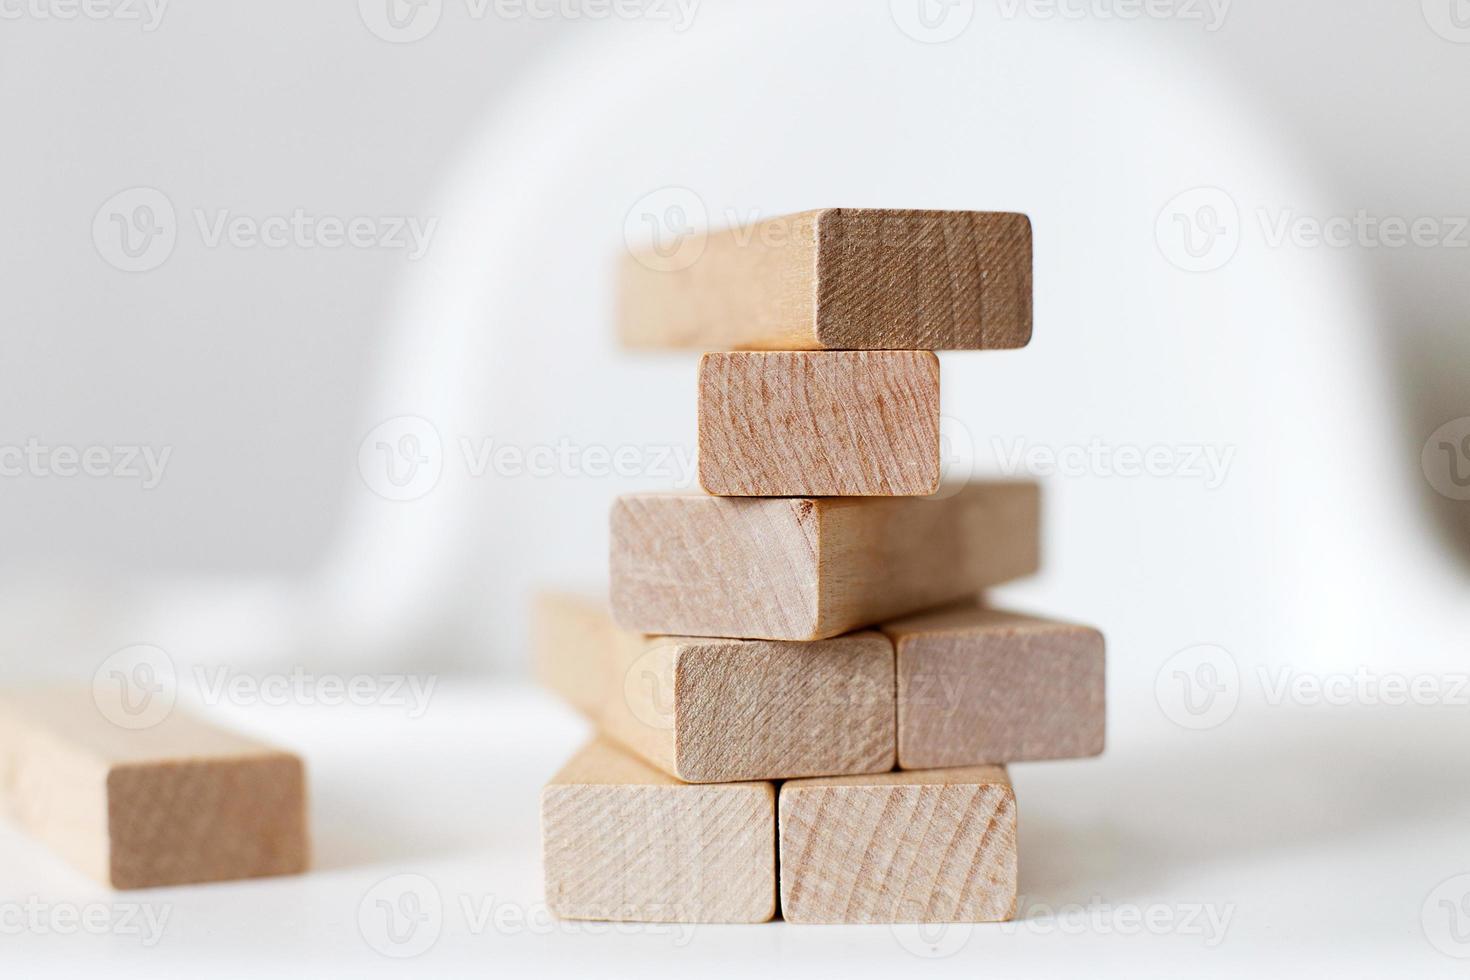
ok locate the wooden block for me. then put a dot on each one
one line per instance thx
(810, 568)
(624, 842)
(980, 685)
(819, 424)
(178, 803)
(839, 279)
(936, 846)
(571, 639)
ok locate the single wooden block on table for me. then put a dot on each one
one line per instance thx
(981, 685)
(717, 710)
(179, 802)
(811, 568)
(625, 842)
(838, 279)
(936, 846)
(819, 423)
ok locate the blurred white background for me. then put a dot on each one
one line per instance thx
(330, 287)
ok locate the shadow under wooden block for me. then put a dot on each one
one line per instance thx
(837, 279)
(819, 424)
(934, 846)
(624, 842)
(808, 568)
(173, 802)
(980, 685)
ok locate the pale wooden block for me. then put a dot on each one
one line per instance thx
(840, 279)
(819, 423)
(937, 846)
(981, 685)
(571, 636)
(625, 842)
(811, 568)
(718, 710)
(179, 803)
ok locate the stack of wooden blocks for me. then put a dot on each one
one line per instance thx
(804, 704)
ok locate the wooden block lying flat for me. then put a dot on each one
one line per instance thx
(571, 636)
(840, 279)
(934, 846)
(819, 424)
(624, 842)
(811, 568)
(980, 685)
(178, 803)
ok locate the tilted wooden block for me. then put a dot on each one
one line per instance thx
(980, 685)
(819, 423)
(624, 842)
(811, 568)
(839, 279)
(572, 637)
(180, 802)
(717, 710)
(936, 846)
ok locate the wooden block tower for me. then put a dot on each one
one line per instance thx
(804, 703)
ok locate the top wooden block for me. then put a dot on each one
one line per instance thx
(838, 279)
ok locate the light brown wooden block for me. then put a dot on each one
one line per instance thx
(624, 842)
(819, 423)
(717, 710)
(178, 803)
(936, 846)
(840, 279)
(810, 568)
(980, 685)
(571, 639)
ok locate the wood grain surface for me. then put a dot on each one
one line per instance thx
(819, 423)
(625, 842)
(811, 568)
(719, 710)
(937, 846)
(982, 685)
(838, 279)
(572, 637)
(180, 802)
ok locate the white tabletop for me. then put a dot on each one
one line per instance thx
(1312, 841)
